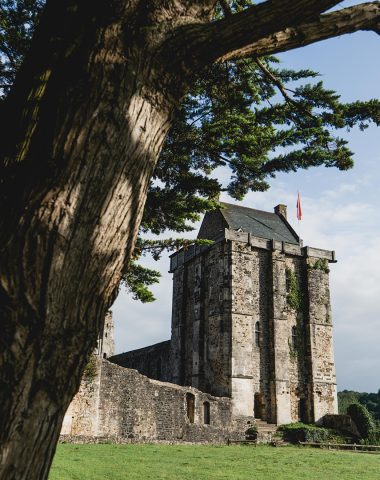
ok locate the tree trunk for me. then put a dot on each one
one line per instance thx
(77, 177)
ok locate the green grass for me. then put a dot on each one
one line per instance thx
(199, 462)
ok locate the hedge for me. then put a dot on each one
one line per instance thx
(362, 419)
(301, 432)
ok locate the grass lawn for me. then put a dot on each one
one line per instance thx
(199, 462)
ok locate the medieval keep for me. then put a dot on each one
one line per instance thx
(251, 336)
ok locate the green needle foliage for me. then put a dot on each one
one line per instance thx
(137, 279)
(18, 19)
(250, 117)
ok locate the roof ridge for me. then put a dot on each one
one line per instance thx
(247, 208)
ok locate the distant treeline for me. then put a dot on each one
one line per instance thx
(370, 400)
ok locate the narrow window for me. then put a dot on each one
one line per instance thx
(206, 413)
(104, 355)
(288, 273)
(190, 406)
(294, 337)
(257, 334)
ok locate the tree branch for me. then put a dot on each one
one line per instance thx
(365, 16)
(196, 45)
(276, 81)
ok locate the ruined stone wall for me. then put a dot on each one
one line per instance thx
(82, 416)
(133, 407)
(152, 361)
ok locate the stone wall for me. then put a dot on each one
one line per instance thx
(296, 342)
(82, 416)
(324, 391)
(222, 294)
(250, 330)
(127, 406)
(201, 321)
(152, 361)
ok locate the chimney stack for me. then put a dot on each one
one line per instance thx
(280, 210)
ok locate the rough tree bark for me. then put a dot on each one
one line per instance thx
(84, 126)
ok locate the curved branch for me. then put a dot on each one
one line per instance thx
(365, 16)
(194, 46)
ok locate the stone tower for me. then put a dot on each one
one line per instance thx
(251, 317)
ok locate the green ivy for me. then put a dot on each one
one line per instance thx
(294, 297)
(89, 373)
(321, 264)
(293, 352)
(297, 349)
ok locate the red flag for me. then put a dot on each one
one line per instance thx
(299, 209)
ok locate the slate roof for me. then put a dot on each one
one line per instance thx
(259, 223)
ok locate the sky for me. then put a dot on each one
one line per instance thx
(341, 212)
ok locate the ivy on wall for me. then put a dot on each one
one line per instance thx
(293, 351)
(294, 296)
(89, 373)
(320, 264)
(296, 342)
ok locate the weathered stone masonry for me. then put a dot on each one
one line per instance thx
(234, 331)
(122, 405)
(251, 338)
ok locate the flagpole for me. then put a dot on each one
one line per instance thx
(299, 216)
(299, 232)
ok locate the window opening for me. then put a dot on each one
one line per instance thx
(190, 406)
(206, 413)
(257, 334)
(294, 337)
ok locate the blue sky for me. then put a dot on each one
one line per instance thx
(341, 213)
